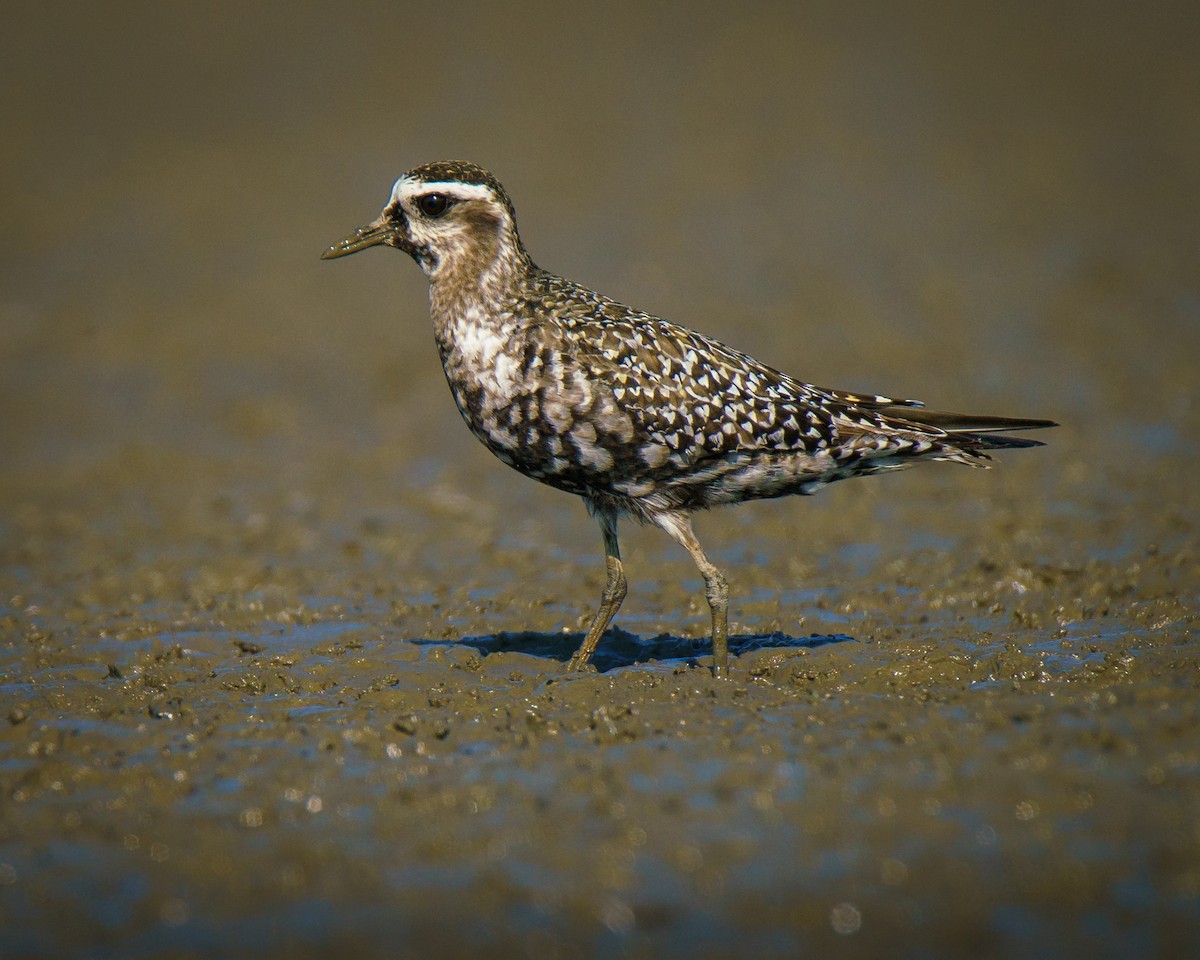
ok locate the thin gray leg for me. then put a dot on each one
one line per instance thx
(679, 526)
(614, 589)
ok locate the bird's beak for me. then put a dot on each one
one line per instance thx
(378, 232)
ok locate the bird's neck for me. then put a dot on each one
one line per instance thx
(478, 278)
(477, 322)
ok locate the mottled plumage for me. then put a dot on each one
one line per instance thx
(635, 414)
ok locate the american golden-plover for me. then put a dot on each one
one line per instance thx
(637, 415)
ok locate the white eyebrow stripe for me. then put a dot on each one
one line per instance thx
(407, 187)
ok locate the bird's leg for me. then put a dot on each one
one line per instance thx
(716, 589)
(614, 589)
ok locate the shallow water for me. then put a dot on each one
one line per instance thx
(281, 645)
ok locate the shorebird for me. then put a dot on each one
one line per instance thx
(638, 416)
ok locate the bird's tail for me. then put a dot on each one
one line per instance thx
(984, 433)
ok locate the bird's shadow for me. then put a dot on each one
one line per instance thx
(620, 648)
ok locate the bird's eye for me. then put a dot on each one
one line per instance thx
(433, 205)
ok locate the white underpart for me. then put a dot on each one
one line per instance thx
(483, 347)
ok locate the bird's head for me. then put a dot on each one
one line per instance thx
(452, 217)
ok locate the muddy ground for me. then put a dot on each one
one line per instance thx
(281, 646)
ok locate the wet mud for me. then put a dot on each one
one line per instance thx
(282, 649)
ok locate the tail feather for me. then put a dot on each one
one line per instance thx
(964, 422)
(978, 430)
(991, 441)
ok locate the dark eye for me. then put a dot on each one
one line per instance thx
(433, 205)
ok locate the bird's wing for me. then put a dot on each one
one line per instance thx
(700, 398)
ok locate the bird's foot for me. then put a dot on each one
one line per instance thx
(577, 664)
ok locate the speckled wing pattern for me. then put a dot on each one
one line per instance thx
(712, 425)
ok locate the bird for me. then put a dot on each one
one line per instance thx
(640, 417)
